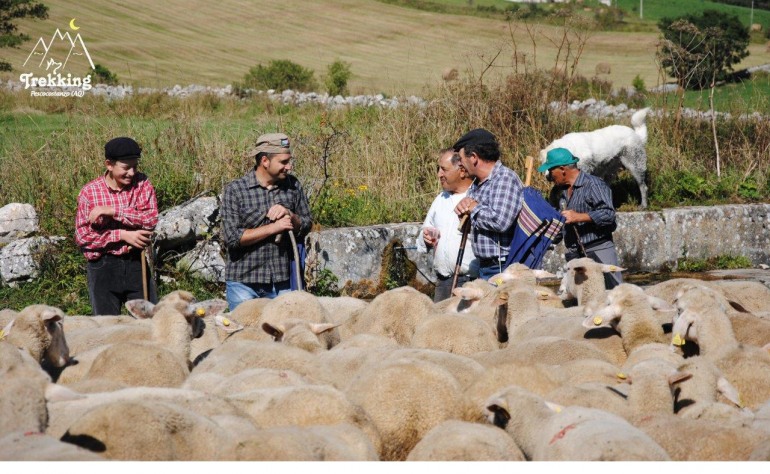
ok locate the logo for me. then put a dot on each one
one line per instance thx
(58, 61)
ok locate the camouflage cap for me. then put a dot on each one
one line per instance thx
(270, 143)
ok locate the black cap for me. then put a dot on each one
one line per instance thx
(477, 136)
(122, 148)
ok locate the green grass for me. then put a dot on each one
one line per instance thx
(654, 10)
(748, 95)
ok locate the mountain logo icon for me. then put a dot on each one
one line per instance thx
(54, 55)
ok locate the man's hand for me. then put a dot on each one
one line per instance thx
(136, 238)
(430, 235)
(572, 217)
(277, 211)
(283, 224)
(465, 206)
(99, 211)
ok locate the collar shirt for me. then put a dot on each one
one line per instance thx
(499, 199)
(244, 206)
(592, 196)
(441, 215)
(136, 207)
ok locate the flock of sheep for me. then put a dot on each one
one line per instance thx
(505, 370)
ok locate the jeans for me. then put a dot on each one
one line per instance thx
(238, 292)
(113, 280)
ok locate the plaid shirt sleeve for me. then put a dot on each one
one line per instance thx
(232, 230)
(499, 211)
(302, 209)
(87, 236)
(142, 210)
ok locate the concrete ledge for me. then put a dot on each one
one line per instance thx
(646, 241)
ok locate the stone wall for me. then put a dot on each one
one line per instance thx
(646, 241)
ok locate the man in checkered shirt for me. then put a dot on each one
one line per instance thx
(257, 208)
(493, 201)
(116, 215)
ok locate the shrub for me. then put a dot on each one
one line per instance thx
(101, 75)
(280, 74)
(338, 74)
(638, 84)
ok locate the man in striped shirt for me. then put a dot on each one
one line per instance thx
(493, 201)
(585, 202)
(116, 215)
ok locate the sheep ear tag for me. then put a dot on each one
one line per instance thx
(200, 312)
(597, 320)
(677, 340)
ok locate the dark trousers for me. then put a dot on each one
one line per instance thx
(444, 286)
(114, 280)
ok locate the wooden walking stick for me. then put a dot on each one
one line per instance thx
(144, 274)
(465, 227)
(529, 165)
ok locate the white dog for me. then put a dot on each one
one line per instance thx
(603, 151)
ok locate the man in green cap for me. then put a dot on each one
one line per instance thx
(585, 201)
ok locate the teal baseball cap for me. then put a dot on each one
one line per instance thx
(557, 157)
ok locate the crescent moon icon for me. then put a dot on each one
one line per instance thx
(72, 24)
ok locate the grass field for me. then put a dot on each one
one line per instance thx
(392, 49)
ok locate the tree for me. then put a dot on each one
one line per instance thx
(698, 49)
(280, 74)
(338, 74)
(10, 12)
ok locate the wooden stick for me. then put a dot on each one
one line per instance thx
(144, 274)
(530, 165)
(465, 227)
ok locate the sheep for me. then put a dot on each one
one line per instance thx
(546, 432)
(37, 446)
(312, 337)
(630, 312)
(584, 280)
(341, 308)
(299, 305)
(343, 442)
(22, 391)
(163, 361)
(455, 333)
(602, 152)
(338, 365)
(405, 400)
(158, 431)
(304, 405)
(393, 313)
(235, 356)
(699, 397)
(455, 440)
(245, 381)
(38, 330)
(545, 350)
(703, 321)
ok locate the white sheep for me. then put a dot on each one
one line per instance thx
(343, 442)
(393, 313)
(38, 330)
(455, 440)
(37, 446)
(455, 333)
(546, 432)
(22, 391)
(704, 322)
(309, 336)
(584, 280)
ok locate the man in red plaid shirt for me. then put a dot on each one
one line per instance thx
(116, 215)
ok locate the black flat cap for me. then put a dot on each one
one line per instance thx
(477, 136)
(122, 148)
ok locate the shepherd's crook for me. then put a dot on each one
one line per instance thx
(296, 259)
(144, 274)
(465, 227)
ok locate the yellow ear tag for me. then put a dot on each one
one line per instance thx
(677, 341)
(200, 312)
(499, 281)
(558, 409)
(597, 320)
(226, 322)
(621, 376)
(2, 334)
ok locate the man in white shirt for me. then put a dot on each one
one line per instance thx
(440, 229)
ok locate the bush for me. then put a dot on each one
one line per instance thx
(101, 75)
(338, 74)
(280, 74)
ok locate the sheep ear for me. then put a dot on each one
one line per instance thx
(554, 407)
(275, 332)
(612, 269)
(499, 415)
(141, 309)
(660, 304)
(52, 314)
(227, 324)
(468, 293)
(729, 391)
(500, 278)
(540, 274)
(678, 377)
(207, 308)
(318, 328)
(6, 330)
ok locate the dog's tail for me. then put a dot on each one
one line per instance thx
(639, 122)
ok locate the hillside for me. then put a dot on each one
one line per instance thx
(392, 49)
